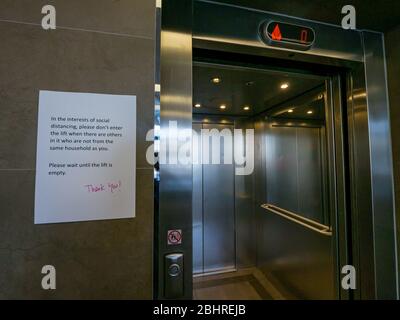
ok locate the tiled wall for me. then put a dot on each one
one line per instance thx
(100, 46)
(393, 68)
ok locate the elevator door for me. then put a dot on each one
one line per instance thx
(213, 200)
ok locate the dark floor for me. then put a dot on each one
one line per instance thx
(247, 284)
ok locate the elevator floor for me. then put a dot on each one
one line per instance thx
(246, 284)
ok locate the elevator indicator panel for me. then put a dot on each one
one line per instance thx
(288, 35)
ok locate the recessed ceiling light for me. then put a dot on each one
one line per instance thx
(222, 106)
(284, 86)
(290, 110)
(310, 112)
(216, 80)
(197, 105)
(246, 108)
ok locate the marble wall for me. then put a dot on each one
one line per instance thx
(99, 46)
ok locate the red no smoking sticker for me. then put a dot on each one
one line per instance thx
(174, 237)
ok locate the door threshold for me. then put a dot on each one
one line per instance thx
(212, 273)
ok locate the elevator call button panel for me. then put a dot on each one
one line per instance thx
(173, 273)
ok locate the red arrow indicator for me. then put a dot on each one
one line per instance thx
(276, 34)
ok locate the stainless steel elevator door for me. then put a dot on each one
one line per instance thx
(213, 207)
(197, 202)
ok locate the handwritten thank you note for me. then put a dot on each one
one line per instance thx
(85, 164)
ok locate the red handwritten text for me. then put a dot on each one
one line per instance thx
(114, 186)
(95, 188)
(109, 187)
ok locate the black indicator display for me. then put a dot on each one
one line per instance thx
(288, 35)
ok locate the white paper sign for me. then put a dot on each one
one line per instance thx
(86, 157)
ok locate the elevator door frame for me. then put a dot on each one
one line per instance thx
(360, 57)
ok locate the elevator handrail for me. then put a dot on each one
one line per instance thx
(310, 224)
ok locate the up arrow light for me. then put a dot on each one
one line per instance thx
(276, 34)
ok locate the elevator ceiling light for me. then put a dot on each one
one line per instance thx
(216, 80)
(222, 107)
(310, 112)
(284, 86)
(246, 108)
(197, 105)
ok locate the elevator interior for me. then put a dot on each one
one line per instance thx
(275, 218)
